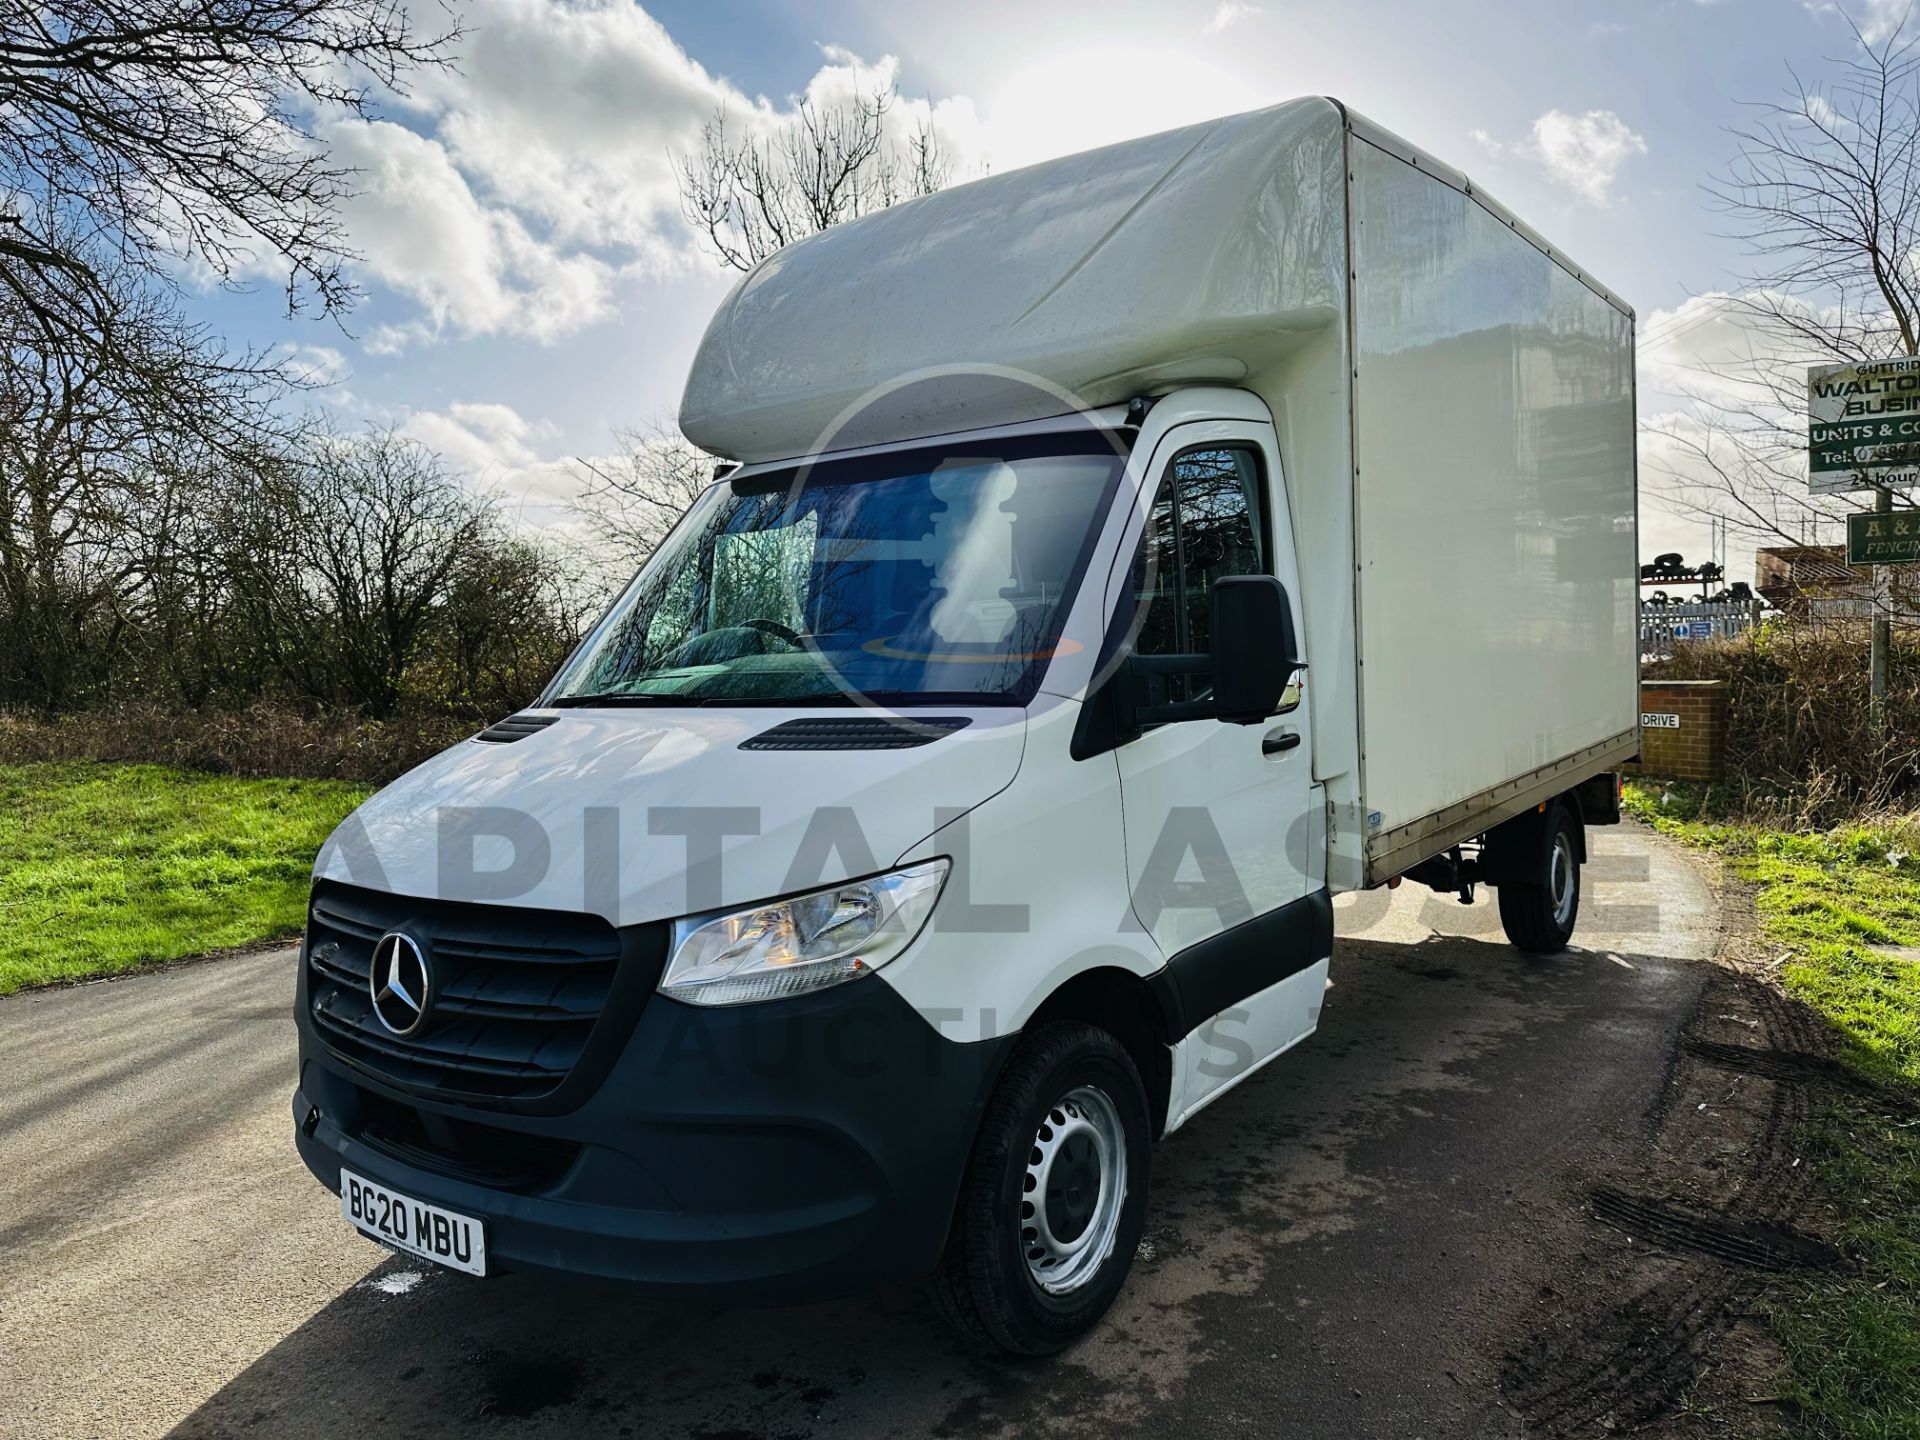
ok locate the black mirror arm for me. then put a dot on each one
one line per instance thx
(1187, 664)
(1173, 711)
(1172, 664)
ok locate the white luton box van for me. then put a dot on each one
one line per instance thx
(1118, 558)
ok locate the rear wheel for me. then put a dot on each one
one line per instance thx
(1539, 912)
(1054, 1197)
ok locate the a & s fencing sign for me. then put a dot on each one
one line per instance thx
(1863, 426)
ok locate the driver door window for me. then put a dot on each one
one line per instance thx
(1207, 522)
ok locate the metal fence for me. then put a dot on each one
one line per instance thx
(1664, 626)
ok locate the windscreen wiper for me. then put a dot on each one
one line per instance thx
(624, 697)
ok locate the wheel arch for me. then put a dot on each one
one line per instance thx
(1134, 1012)
(1510, 847)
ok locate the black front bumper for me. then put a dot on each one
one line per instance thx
(785, 1151)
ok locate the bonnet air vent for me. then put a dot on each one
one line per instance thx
(846, 733)
(516, 727)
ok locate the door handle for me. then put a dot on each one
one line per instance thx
(1276, 742)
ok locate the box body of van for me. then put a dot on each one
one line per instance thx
(1118, 558)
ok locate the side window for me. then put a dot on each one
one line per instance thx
(1156, 580)
(1208, 520)
(1222, 528)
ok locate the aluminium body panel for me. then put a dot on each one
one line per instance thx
(1494, 502)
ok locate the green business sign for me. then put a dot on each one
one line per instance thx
(1863, 425)
(1892, 538)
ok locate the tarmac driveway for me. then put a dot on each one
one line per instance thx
(1352, 1243)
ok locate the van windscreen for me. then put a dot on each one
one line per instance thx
(923, 576)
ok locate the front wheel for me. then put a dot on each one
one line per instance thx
(1538, 914)
(1054, 1196)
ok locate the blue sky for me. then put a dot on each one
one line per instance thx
(531, 287)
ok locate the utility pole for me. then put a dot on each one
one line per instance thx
(1882, 638)
(1880, 642)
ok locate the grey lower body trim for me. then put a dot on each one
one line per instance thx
(1393, 851)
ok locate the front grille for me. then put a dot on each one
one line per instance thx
(517, 994)
(463, 1149)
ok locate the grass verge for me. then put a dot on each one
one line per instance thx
(1838, 903)
(105, 868)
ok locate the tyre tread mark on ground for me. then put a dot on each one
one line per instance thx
(1737, 1242)
(1633, 1362)
(1788, 1065)
(1791, 1067)
(1624, 1367)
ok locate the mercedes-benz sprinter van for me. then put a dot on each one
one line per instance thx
(1109, 562)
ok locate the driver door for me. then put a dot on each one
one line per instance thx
(1218, 816)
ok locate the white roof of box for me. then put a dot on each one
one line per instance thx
(1200, 255)
(1086, 273)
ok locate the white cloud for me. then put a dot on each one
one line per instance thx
(1585, 152)
(846, 77)
(474, 269)
(1721, 379)
(1821, 112)
(1729, 348)
(485, 440)
(1227, 12)
(568, 114)
(1878, 19)
(1883, 19)
(315, 364)
(502, 453)
(1677, 480)
(1113, 90)
(532, 178)
(1692, 348)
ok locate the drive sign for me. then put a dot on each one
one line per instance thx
(1864, 425)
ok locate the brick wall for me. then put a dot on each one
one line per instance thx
(1697, 749)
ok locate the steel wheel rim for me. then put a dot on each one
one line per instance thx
(1564, 881)
(1073, 1191)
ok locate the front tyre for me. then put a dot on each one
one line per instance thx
(1539, 913)
(1054, 1196)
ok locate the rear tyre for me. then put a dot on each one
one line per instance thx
(1054, 1197)
(1539, 914)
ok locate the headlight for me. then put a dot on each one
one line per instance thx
(788, 947)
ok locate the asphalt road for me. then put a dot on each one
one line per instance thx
(1345, 1246)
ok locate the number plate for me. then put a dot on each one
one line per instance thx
(457, 1241)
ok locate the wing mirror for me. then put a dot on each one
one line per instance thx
(1255, 653)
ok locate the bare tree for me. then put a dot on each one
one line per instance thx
(1824, 188)
(513, 612)
(751, 194)
(631, 501)
(104, 459)
(141, 133)
(346, 557)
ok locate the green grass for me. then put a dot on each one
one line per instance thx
(105, 868)
(1830, 898)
